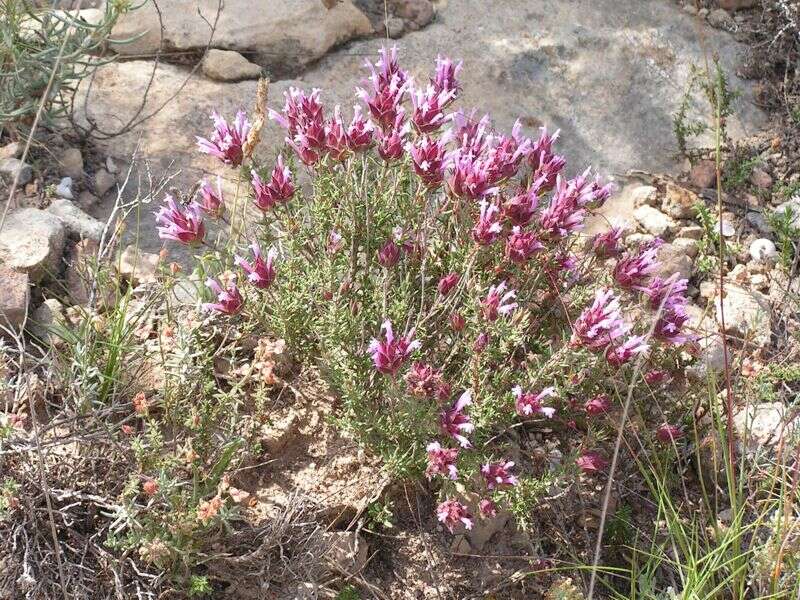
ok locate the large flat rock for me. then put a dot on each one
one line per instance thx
(609, 73)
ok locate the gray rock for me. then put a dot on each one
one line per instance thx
(227, 65)
(484, 528)
(644, 195)
(688, 245)
(654, 221)
(45, 321)
(103, 181)
(763, 250)
(679, 202)
(12, 150)
(758, 222)
(32, 241)
(747, 314)
(704, 174)
(674, 260)
(71, 163)
(77, 222)
(14, 299)
(286, 34)
(761, 179)
(729, 224)
(721, 19)
(394, 27)
(763, 424)
(87, 200)
(64, 188)
(416, 13)
(693, 232)
(13, 167)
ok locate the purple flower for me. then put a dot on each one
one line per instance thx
(666, 292)
(279, 189)
(520, 208)
(528, 403)
(508, 152)
(598, 194)
(452, 513)
(388, 67)
(633, 269)
(656, 376)
(607, 244)
(471, 135)
(428, 159)
(391, 141)
(457, 322)
(598, 405)
(335, 242)
(389, 254)
(455, 423)
(446, 77)
(599, 325)
(336, 143)
(669, 325)
(229, 300)
(563, 215)
(360, 131)
(544, 163)
(423, 380)
(390, 354)
(488, 228)
(441, 461)
(666, 433)
(591, 462)
(481, 342)
(182, 224)
(470, 176)
(300, 112)
(429, 105)
(498, 303)
(521, 245)
(498, 474)
(226, 141)
(261, 272)
(487, 508)
(389, 85)
(447, 283)
(211, 200)
(620, 354)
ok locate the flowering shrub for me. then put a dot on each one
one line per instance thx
(437, 272)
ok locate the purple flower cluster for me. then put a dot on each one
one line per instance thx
(389, 354)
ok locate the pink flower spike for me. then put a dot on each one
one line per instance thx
(335, 242)
(391, 141)
(211, 200)
(633, 269)
(389, 355)
(441, 461)
(336, 143)
(591, 462)
(666, 433)
(487, 508)
(598, 405)
(455, 423)
(666, 292)
(498, 302)
(389, 84)
(428, 159)
(656, 376)
(301, 112)
(528, 403)
(279, 189)
(182, 224)
(452, 513)
(229, 300)
(429, 105)
(564, 215)
(619, 355)
(423, 380)
(447, 283)
(599, 325)
(261, 273)
(498, 474)
(488, 227)
(446, 77)
(389, 254)
(360, 132)
(457, 322)
(668, 327)
(521, 208)
(226, 142)
(522, 245)
(607, 244)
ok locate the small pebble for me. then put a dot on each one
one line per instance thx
(64, 188)
(763, 250)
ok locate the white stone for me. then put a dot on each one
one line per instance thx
(13, 167)
(77, 222)
(763, 424)
(653, 220)
(747, 314)
(645, 194)
(763, 250)
(64, 188)
(228, 65)
(32, 241)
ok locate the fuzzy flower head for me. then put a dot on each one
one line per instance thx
(600, 324)
(656, 377)
(498, 302)
(229, 299)
(423, 380)
(471, 135)
(455, 423)
(598, 405)
(528, 403)
(182, 224)
(389, 254)
(389, 354)
(498, 474)
(388, 83)
(487, 508)
(452, 513)
(336, 144)
(301, 112)
(508, 152)
(522, 245)
(445, 78)
(260, 272)
(211, 200)
(564, 215)
(447, 283)
(360, 132)
(428, 108)
(488, 228)
(391, 140)
(520, 208)
(226, 141)
(608, 243)
(428, 159)
(441, 461)
(666, 433)
(545, 164)
(633, 269)
(279, 189)
(591, 462)
(669, 326)
(457, 322)
(620, 354)
(471, 176)
(667, 292)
